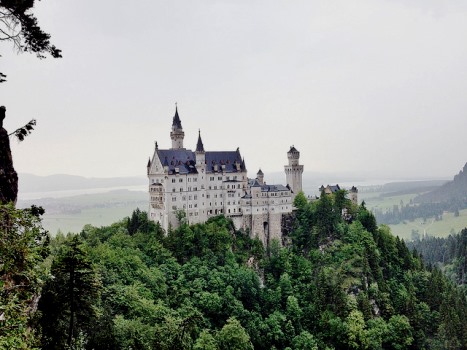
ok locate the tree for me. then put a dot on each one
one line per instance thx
(69, 299)
(233, 336)
(23, 247)
(20, 27)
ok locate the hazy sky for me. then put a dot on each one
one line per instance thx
(373, 87)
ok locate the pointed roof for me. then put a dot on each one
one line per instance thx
(259, 172)
(176, 120)
(149, 162)
(199, 145)
(292, 149)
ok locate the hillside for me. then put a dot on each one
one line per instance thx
(338, 284)
(453, 193)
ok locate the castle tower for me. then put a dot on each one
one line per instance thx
(200, 153)
(177, 133)
(353, 195)
(294, 171)
(260, 177)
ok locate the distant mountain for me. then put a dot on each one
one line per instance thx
(454, 191)
(61, 182)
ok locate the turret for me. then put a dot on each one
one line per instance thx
(200, 154)
(294, 171)
(260, 177)
(177, 135)
(353, 195)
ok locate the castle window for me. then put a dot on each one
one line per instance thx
(189, 179)
(174, 207)
(173, 180)
(215, 187)
(173, 189)
(195, 197)
(174, 199)
(219, 178)
(180, 180)
(189, 198)
(181, 189)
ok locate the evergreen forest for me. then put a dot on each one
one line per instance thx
(335, 282)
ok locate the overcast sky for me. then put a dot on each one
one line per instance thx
(372, 87)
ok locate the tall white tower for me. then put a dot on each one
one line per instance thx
(294, 171)
(177, 133)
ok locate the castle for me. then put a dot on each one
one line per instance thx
(203, 184)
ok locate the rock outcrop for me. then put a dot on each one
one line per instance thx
(8, 175)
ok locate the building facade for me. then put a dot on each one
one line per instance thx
(203, 184)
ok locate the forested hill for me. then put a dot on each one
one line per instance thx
(342, 282)
(448, 253)
(453, 192)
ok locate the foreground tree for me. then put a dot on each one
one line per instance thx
(23, 247)
(20, 27)
(69, 298)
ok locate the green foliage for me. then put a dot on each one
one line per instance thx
(233, 336)
(346, 285)
(69, 298)
(23, 247)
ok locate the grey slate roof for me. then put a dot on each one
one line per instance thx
(182, 159)
(223, 158)
(185, 160)
(273, 188)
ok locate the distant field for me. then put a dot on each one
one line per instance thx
(377, 200)
(70, 214)
(442, 228)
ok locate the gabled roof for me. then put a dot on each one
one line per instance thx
(259, 172)
(332, 188)
(182, 159)
(225, 161)
(274, 188)
(185, 161)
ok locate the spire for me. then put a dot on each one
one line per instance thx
(149, 162)
(259, 172)
(176, 120)
(199, 145)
